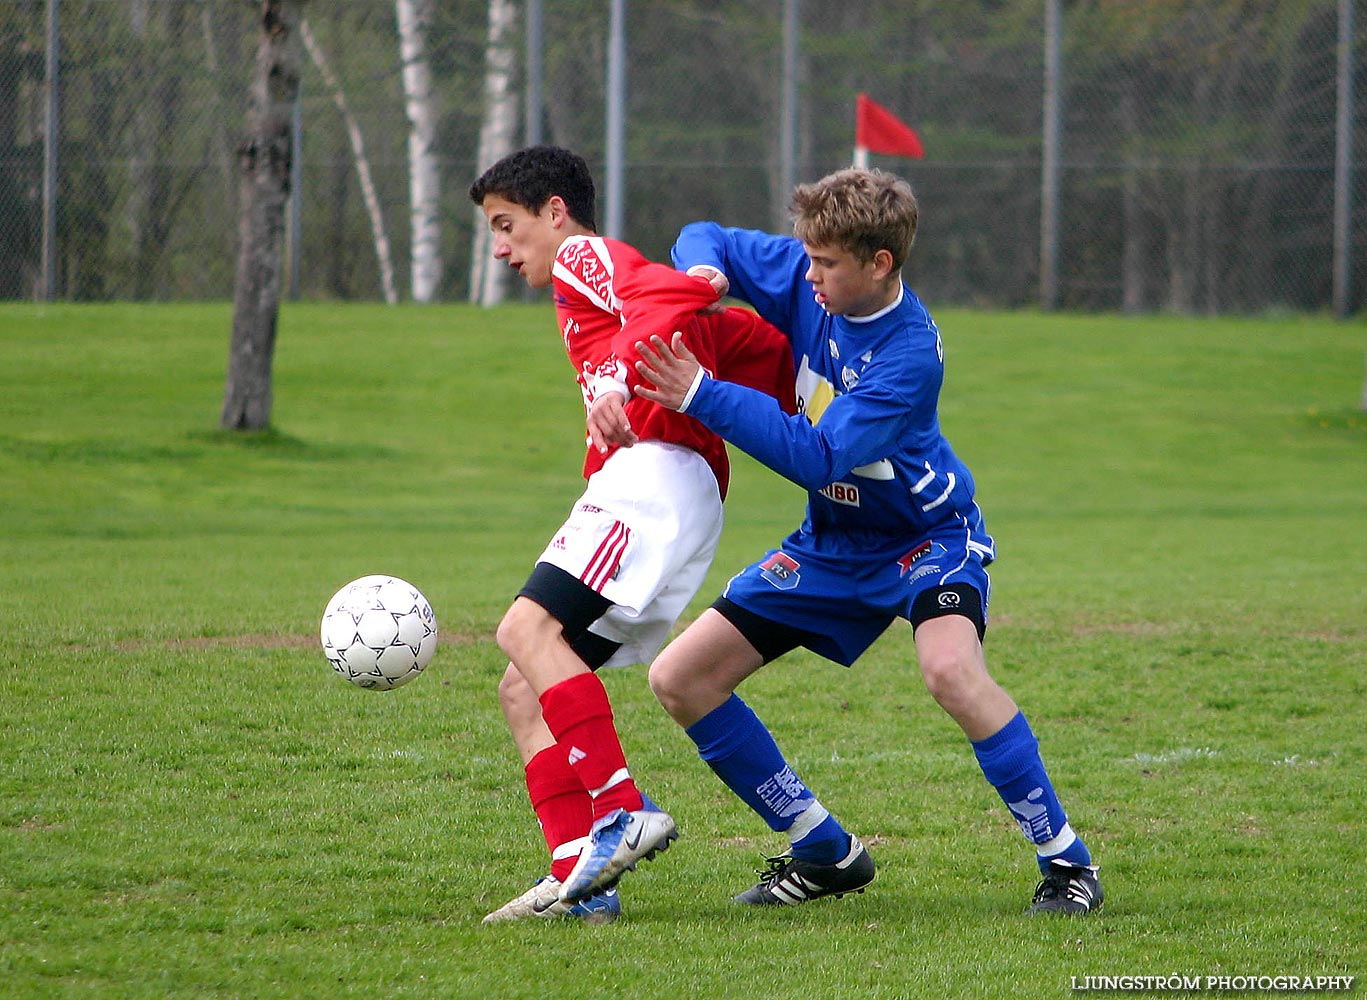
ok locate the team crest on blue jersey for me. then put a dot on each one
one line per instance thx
(781, 571)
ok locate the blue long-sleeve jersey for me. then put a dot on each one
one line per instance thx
(866, 443)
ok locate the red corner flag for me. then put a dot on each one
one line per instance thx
(878, 130)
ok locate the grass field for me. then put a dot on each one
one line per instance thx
(193, 805)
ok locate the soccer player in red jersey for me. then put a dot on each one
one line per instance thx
(637, 543)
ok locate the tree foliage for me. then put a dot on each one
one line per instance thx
(1197, 159)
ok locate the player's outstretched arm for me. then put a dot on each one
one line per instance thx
(856, 428)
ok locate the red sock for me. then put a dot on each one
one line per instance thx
(562, 807)
(579, 716)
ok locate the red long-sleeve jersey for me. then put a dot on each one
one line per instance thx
(608, 296)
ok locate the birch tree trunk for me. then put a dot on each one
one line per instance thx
(379, 234)
(264, 158)
(489, 278)
(424, 175)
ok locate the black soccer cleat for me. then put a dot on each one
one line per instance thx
(1068, 890)
(789, 881)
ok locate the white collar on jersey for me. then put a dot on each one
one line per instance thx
(901, 291)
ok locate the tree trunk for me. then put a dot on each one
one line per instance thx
(369, 195)
(424, 175)
(489, 279)
(264, 159)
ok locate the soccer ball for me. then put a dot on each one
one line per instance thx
(379, 632)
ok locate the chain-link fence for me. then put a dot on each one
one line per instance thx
(1196, 160)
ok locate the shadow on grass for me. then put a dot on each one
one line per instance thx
(280, 444)
(120, 450)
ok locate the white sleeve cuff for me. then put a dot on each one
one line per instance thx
(603, 384)
(692, 390)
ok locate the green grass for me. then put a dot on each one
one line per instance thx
(193, 805)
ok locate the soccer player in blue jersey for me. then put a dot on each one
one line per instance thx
(892, 529)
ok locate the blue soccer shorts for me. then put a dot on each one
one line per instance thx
(836, 598)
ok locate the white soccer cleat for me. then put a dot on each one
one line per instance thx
(543, 900)
(616, 842)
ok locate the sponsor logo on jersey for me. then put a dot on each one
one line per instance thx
(589, 508)
(849, 377)
(846, 493)
(781, 570)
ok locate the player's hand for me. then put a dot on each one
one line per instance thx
(669, 367)
(719, 282)
(608, 423)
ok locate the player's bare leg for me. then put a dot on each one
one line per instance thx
(955, 672)
(535, 643)
(522, 711)
(695, 679)
(702, 668)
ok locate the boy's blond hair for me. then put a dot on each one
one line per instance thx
(860, 210)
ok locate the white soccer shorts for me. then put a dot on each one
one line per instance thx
(643, 535)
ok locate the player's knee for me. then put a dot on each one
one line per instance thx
(662, 682)
(518, 631)
(507, 635)
(667, 684)
(515, 695)
(950, 675)
(951, 659)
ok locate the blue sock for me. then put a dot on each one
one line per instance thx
(1012, 765)
(737, 746)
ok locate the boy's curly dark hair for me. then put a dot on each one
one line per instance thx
(531, 176)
